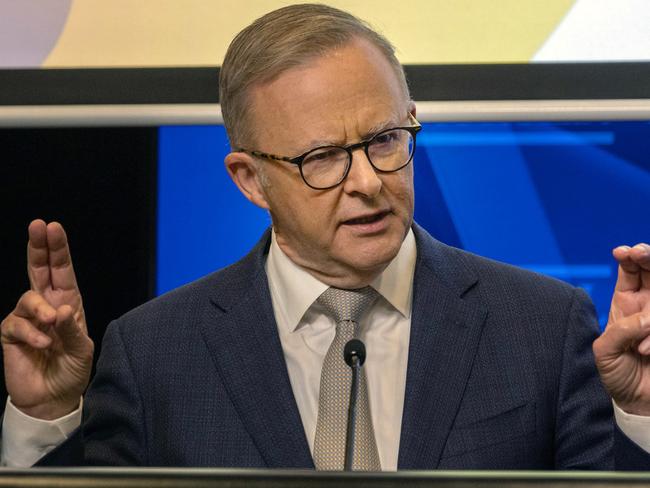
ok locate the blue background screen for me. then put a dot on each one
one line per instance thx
(551, 197)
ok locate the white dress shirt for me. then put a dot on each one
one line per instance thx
(306, 333)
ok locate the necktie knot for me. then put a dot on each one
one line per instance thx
(347, 305)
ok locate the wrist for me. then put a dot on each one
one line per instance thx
(49, 411)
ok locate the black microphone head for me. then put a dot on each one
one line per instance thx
(354, 348)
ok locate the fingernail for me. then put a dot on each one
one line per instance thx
(642, 248)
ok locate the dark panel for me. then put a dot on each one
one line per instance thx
(101, 184)
(428, 82)
(541, 81)
(106, 86)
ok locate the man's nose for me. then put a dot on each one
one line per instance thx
(362, 178)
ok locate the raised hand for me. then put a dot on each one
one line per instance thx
(622, 352)
(47, 351)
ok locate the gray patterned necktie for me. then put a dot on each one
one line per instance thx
(346, 307)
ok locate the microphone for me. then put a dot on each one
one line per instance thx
(354, 355)
(354, 350)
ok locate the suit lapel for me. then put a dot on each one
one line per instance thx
(242, 337)
(446, 324)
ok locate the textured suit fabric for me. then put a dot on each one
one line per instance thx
(500, 376)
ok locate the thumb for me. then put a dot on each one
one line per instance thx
(73, 337)
(621, 336)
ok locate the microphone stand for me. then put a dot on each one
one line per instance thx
(354, 355)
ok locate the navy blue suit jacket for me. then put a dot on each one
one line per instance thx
(500, 376)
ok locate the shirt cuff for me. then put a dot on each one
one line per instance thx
(636, 427)
(26, 439)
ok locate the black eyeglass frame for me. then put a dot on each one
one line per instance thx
(298, 160)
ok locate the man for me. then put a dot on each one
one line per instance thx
(471, 364)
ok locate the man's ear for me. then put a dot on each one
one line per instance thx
(412, 109)
(244, 172)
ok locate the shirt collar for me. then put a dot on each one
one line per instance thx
(395, 283)
(294, 290)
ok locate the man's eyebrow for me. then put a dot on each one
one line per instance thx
(316, 143)
(389, 124)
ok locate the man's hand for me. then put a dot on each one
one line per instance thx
(622, 352)
(47, 352)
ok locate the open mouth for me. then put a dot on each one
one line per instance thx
(368, 219)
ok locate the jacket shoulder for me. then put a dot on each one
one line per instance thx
(506, 290)
(185, 305)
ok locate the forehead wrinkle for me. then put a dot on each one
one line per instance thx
(374, 129)
(389, 124)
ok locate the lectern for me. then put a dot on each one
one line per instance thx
(240, 478)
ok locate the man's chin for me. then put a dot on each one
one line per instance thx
(372, 256)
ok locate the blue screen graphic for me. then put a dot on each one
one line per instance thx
(551, 197)
(204, 223)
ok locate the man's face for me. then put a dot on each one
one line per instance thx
(346, 235)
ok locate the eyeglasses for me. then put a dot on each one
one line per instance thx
(325, 167)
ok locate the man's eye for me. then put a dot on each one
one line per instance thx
(322, 156)
(385, 138)
(319, 156)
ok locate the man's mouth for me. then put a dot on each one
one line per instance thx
(366, 219)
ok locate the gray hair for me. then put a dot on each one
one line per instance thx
(278, 41)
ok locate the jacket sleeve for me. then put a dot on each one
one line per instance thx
(586, 435)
